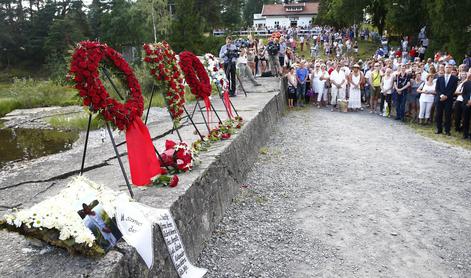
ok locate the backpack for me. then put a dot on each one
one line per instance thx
(273, 49)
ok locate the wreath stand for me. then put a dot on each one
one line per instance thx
(202, 109)
(227, 72)
(115, 146)
(222, 97)
(174, 127)
(189, 116)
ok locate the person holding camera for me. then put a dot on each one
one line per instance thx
(229, 54)
(273, 50)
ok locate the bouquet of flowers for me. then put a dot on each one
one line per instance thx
(178, 156)
(216, 72)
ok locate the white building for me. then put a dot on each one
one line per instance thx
(286, 15)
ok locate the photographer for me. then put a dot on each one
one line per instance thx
(273, 49)
(229, 54)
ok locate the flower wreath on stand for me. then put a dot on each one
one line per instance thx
(164, 67)
(217, 74)
(84, 68)
(197, 78)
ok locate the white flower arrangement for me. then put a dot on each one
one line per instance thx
(60, 213)
(216, 72)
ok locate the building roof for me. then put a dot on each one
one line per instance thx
(290, 9)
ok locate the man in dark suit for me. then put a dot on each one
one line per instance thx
(466, 105)
(445, 88)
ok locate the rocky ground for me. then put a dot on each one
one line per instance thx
(348, 195)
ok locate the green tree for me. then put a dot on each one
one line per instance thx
(187, 27)
(97, 9)
(123, 25)
(231, 14)
(210, 11)
(450, 26)
(252, 7)
(157, 17)
(378, 11)
(341, 13)
(405, 17)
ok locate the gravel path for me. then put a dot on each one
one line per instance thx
(348, 195)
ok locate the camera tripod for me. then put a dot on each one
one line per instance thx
(228, 71)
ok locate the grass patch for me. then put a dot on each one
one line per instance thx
(76, 123)
(29, 93)
(263, 150)
(366, 50)
(429, 131)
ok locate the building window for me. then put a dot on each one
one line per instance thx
(294, 9)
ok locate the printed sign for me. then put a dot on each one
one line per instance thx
(136, 230)
(135, 222)
(175, 247)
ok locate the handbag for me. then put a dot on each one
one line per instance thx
(327, 84)
(291, 89)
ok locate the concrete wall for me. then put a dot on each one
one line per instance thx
(199, 210)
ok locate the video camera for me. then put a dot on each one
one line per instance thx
(232, 53)
(235, 53)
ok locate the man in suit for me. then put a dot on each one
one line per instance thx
(445, 88)
(466, 105)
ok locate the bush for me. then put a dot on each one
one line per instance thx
(212, 45)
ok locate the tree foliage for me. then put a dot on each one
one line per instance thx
(187, 27)
(448, 23)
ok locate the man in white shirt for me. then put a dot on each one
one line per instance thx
(338, 80)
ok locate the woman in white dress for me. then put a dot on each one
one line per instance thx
(322, 91)
(355, 78)
(427, 96)
(315, 74)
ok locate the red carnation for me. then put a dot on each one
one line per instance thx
(169, 144)
(174, 181)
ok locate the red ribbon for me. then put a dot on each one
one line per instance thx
(207, 104)
(143, 160)
(227, 103)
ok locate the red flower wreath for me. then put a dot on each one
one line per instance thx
(164, 66)
(88, 55)
(84, 68)
(195, 75)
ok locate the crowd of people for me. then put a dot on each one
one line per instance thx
(403, 86)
